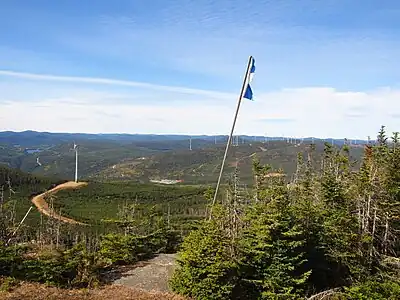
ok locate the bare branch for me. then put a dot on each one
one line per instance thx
(324, 294)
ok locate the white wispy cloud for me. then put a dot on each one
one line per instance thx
(107, 81)
(311, 111)
(205, 38)
(335, 71)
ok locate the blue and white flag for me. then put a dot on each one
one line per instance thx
(248, 94)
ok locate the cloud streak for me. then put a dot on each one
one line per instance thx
(115, 82)
(185, 55)
(276, 120)
(309, 111)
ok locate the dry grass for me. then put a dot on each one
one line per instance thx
(34, 291)
(274, 175)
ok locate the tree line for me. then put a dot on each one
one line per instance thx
(332, 231)
(48, 251)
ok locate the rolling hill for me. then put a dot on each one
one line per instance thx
(201, 166)
(145, 157)
(59, 160)
(32, 139)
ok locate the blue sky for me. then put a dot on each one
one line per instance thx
(324, 68)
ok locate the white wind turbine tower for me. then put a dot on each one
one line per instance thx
(76, 161)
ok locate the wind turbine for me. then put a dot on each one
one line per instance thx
(76, 161)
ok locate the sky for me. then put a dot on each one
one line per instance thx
(323, 68)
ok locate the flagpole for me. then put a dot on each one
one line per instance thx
(245, 81)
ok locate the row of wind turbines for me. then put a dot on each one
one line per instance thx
(235, 142)
(237, 139)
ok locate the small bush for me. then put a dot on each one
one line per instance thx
(386, 290)
(121, 249)
(10, 259)
(75, 267)
(8, 284)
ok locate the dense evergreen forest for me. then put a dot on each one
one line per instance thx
(331, 233)
(17, 178)
(130, 223)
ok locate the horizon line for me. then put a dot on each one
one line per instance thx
(181, 134)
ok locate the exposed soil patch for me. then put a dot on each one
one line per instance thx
(151, 275)
(34, 291)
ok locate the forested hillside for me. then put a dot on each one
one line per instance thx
(331, 233)
(201, 166)
(329, 230)
(17, 178)
(144, 157)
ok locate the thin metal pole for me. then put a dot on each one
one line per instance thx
(19, 225)
(246, 78)
(76, 165)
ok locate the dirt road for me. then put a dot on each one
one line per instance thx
(43, 207)
(151, 276)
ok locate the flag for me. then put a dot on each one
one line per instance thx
(248, 94)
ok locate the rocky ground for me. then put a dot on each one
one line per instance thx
(151, 275)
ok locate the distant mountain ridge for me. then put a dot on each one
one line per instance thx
(143, 157)
(31, 138)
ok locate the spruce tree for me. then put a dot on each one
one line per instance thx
(271, 246)
(206, 270)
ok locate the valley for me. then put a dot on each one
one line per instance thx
(143, 158)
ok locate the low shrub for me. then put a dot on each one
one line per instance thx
(376, 290)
